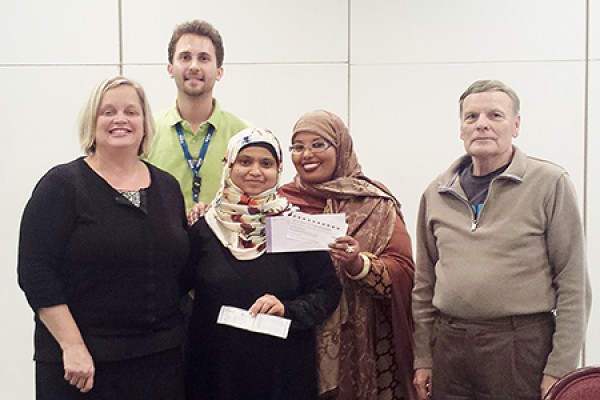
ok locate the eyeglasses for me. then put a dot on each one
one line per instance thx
(315, 147)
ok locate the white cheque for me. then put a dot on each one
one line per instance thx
(261, 323)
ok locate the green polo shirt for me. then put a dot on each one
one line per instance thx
(166, 152)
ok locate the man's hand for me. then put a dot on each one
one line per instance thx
(198, 210)
(547, 382)
(422, 383)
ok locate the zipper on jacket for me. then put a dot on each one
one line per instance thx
(480, 207)
(476, 213)
(475, 219)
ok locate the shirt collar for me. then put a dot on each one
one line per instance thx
(216, 118)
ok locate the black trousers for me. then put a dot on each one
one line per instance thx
(497, 359)
(153, 377)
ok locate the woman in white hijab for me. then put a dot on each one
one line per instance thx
(229, 267)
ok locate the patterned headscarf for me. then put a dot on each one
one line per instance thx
(348, 181)
(237, 219)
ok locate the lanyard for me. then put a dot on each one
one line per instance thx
(195, 165)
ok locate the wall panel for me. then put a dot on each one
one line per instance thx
(59, 32)
(263, 31)
(470, 30)
(594, 21)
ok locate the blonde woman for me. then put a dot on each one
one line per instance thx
(103, 239)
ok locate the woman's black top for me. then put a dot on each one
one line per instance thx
(115, 265)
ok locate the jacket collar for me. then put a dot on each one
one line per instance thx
(515, 172)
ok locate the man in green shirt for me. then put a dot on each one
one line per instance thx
(192, 135)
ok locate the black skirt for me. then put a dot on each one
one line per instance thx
(153, 377)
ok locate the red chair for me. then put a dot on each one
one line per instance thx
(581, 384)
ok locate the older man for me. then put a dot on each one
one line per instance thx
(501, 287)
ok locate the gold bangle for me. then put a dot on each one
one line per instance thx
(365, 270)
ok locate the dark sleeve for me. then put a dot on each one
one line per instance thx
(321, 290)
(198, 240)
(175, 196)
(46, 226)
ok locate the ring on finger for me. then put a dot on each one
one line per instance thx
(349, 249)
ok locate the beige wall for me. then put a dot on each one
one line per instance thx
(392, 69)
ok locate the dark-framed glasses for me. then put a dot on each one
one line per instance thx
(318, 146)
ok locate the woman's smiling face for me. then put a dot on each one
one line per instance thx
(312, 167)
(254, 170)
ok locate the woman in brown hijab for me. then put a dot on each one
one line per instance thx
(366, 347)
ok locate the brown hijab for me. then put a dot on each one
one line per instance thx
(346, 340)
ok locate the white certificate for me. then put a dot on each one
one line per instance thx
(261, 323)
(304, 232)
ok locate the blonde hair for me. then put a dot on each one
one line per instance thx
(89, 115)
